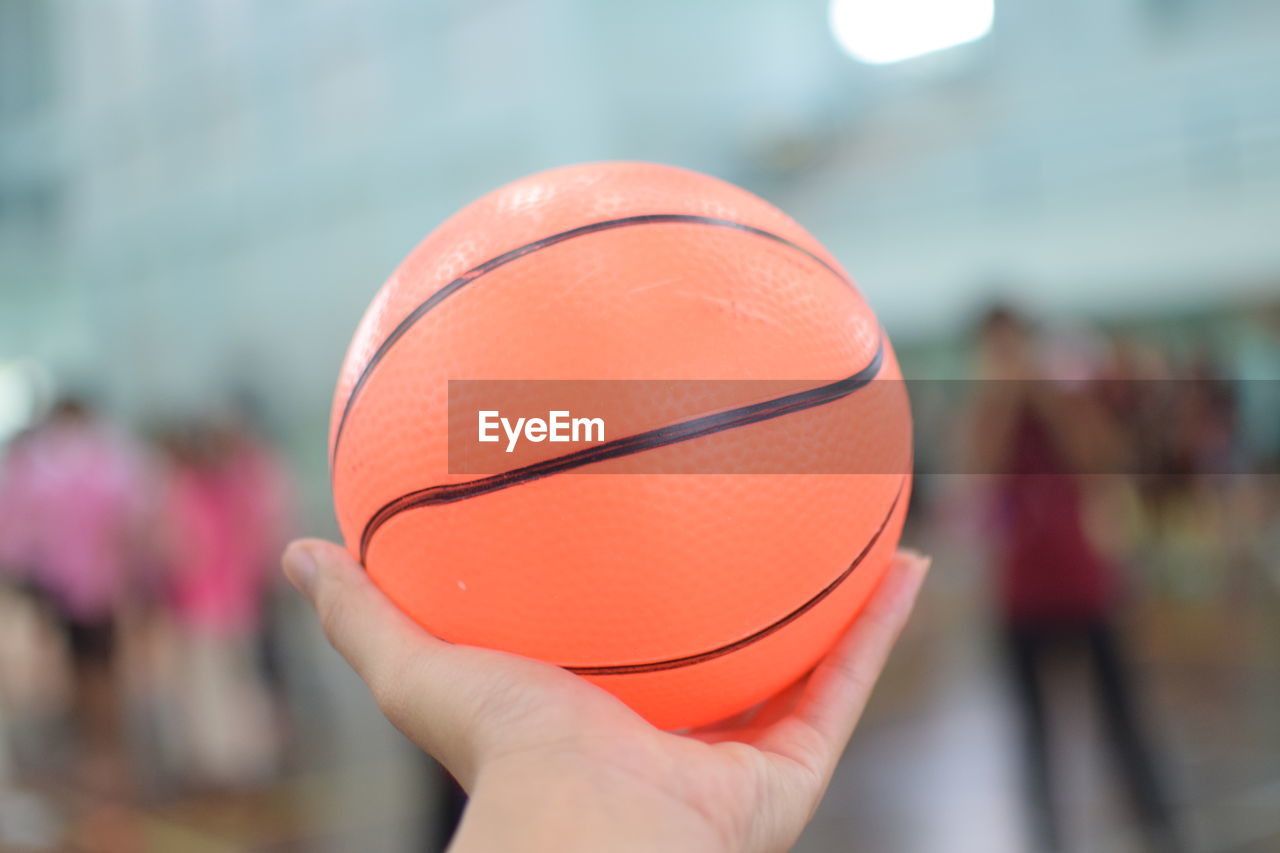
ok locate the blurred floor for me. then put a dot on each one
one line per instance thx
(933, 768)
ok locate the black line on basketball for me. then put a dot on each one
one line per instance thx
(527, 249)
(690, 660)
(627, 446)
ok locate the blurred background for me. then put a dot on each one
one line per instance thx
(198, 199)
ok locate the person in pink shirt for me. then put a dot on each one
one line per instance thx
(76, 489)
(225, 519)
(73, 492)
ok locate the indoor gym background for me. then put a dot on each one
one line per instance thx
(198, 199)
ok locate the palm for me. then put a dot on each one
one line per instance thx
(725, 771)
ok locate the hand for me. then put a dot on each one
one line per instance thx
(553, 762)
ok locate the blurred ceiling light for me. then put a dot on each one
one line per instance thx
(884, 31)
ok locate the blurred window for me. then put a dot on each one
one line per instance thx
(26, 58)
(29, 218)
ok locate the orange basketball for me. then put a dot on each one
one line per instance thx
(690, 596)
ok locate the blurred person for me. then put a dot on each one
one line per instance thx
(1132, 385)
(1056, 591)
(1256, 366)
(226, 505)
(1208, 441)
(1256, 362)
(72, 501)
(1134, 388)
(1180, 429)
(264, 490)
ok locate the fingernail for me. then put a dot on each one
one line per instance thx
(300, 567)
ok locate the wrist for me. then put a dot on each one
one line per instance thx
(538, 804)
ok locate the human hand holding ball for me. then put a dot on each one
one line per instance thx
(553, 762)
(691, 597)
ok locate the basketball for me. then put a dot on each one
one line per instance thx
(690, 593)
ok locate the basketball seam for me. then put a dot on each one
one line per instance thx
(507, 257)
(649, 440)
(756, 636)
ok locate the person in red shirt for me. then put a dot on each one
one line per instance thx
(1040, 439)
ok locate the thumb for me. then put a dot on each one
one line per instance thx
(432, 691)
(299, 564)
(360, 622)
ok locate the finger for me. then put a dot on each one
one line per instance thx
(360, 622)
(837, 692)
(434, 692)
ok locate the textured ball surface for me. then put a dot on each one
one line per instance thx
(690, 596)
